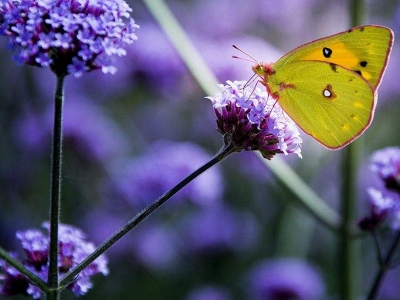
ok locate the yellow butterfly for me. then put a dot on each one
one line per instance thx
(329, 86)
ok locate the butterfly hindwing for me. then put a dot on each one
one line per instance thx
(329, 102)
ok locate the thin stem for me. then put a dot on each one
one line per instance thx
(384, 267)
(304, 194)
(188, 52)
(358, 11)
(378, 247)
(224, 152)
(346, 251)
(55, 188)
(348, 258)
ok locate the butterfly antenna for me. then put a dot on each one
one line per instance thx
(252, 59)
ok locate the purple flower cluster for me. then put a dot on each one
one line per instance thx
(74, 36)
(251, 122)
(73, 248)
(385, 202)
(386, 164)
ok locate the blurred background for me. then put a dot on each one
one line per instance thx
(235, 231)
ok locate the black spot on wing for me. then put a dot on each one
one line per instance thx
(333, 67)
(363, 63)
(358, 72)
(326, 52)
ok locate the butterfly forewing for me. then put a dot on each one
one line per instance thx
(364, 50)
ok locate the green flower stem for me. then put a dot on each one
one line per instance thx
(358, 12)
(346, 248)
(207, 80)
(21, 268)
(348, 274)
(304, 194)
(70, 276)
(188, 52)
(55, 189)
(384, 267)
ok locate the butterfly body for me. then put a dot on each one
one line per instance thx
(328, 86)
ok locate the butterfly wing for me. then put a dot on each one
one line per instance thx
(331, 103)
(364, 50)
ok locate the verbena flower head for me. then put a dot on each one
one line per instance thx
(247, 118)
(73, 248)
(70, 36)
(386, 163)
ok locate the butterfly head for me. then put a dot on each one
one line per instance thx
(263, 69)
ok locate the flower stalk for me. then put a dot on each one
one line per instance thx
(55, 187)
(384, 267)
(223, 153)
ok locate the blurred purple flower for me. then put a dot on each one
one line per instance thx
(383, 207)
(100, 224)
(219, 18)
(285, 279)
(209, 293)
(69, 36)
(217, 230)
(155, 247)
(223, 65)
(141, 180)
(386, 163)
(390, 289)
(156, 61)
(73, 248)
(87, 130)
(247, 119)
(12, 282)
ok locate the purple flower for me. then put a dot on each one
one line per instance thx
(13, 282)
(73, 248)
(155, 247)
(218, 230)
(35, 245)
(285, 279)
(71, 36)
(141, 180)
(386, 163)
(209, 293)
(247, 119)
(383, 207)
